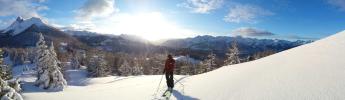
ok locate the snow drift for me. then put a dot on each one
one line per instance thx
(314, 71)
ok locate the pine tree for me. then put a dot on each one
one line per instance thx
(137, 68)
(125, 69)
(157, 62)
(199, 68)
(49, 75)
(75, 63)
(232, 55)
(209, 64)
(7, 92)
(30, 54)
(98, 67)
(5, 70)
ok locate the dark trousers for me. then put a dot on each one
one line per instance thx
(169, 76)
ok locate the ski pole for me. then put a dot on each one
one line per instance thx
(158, 86)
(178, 81)
(181, 85)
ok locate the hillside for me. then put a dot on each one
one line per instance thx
(216, 44)
(303, 73)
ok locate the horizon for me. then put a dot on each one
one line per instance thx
(153, 21)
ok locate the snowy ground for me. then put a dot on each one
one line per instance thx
(105, 88)
(315, 71)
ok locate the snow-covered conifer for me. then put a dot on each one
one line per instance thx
(75, 63)
(125, 69)
(137, 68)
(98, 67)
(232, 55)
(5, 70)
(49, 75)
(209, 64)
(7, 92)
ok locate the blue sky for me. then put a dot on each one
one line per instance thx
(159, 19)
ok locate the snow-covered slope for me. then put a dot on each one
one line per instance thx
(315, 71)
(21, 24)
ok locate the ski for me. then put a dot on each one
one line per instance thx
(165, 92)
(166, 95)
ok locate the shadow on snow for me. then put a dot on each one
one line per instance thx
(179, 96)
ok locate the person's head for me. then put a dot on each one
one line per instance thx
(169, 56)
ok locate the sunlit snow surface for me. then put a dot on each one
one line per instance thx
(314, 71)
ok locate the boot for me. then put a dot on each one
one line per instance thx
(170, 89)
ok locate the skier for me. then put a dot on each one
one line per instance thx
(168, 70)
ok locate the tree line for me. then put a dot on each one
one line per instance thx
(51, 64)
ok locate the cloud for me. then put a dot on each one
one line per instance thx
(251, 32)
(40, 1)
(96, 8)
(202, 6)
(338, 3)
(246, 13)
(24, 8)
(296, 37)
(263, 34)
(81, 26)
(5, 23)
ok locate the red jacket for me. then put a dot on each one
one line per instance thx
(169, 65)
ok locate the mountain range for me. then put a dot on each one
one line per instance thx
(23, 33)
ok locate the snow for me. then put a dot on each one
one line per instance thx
(26, 69)
(21, 24)
(129, 88)
(314, 71)
(63, 44)
(76, 77)
(310, 72)
(7, 60)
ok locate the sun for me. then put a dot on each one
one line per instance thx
(152, 26)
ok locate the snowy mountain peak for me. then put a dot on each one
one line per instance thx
(19, 19)
(21, 24)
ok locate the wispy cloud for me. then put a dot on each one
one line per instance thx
(81, 26)
(96, 8)
(264, 34)
(5, 23)
(338, 3)
(246, 13)
(202, 6)
(251, 32)
(91, 12)
(296, 37)
(24, 8)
